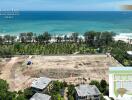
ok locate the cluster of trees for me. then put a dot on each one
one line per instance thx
(57, 90)
(119, 51)
(92, 38)
(40, 43)
(97, 39)
(102, 86)
(71, 92)
(47, 49)
(5, 94)
(7, 39)
(59, 86)
(56, 93)
(92, 42)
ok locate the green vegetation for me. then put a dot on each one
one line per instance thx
(57, 91)
(71, 92)
(119, 50)
(5, 94)
(47, 49)
(102, 86)
(93, 43)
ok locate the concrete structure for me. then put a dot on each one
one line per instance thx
(42, 84)
(39, 96)
(129, 53)
(120, 83)
(87, 92)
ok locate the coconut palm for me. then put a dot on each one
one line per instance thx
(23, 37)
(1, 40)
(12, 38)
(7, 38)
(46, 37)
(75, 37)
(29, 36)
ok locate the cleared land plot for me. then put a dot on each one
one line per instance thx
(73, 69)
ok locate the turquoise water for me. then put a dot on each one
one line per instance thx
(66, 22)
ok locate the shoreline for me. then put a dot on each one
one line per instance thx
(126, 37)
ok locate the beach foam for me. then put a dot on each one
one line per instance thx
(126, 37)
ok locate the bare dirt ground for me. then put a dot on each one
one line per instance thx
(73, 69)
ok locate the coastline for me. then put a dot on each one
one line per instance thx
(126, 37)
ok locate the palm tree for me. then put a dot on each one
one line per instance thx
(80, 40)
(39, 38)
(107, 37)
(1, 40)
(75, 37)
(30, 36)
(7, 38)
(90, 37)
(12, 38)
(59, 39)
(23, 37)
(34, 37)
(86, 37)
(46, 37)
(65, 38)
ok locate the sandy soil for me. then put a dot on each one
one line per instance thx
(73, 69)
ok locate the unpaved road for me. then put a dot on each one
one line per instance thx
(16, 79)
(6, 71)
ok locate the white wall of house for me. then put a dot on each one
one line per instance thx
(111, 86)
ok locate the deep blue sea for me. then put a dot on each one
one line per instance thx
(63, 22)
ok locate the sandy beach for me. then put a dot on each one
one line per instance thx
(126, 37)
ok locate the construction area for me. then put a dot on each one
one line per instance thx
(20, 71)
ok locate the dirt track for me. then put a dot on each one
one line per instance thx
(6, 73)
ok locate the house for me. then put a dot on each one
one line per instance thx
(129, 54)
(120, 82)
(42, 84)
(87, 92)
(40, 96)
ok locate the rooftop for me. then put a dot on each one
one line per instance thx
(87, 90)
(41, 83)
(39, 96)
(120, 68)
(129, 52)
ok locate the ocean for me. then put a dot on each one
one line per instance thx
(66, 22)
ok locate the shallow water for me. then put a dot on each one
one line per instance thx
(66, 22)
